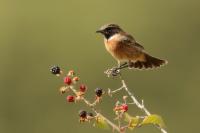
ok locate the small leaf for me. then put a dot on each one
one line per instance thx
(133, 121)
(101, 123)
(153, 119)
(127, 117)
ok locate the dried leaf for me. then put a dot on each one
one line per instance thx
(133, 121)
(101, 123)
(153, 119)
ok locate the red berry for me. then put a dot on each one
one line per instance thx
(67, 80)
(70, 98)
(82, 88)
(124, 107)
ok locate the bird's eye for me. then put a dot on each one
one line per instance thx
(108, 29)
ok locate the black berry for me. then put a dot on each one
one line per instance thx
(90, 114)
(99, 92)
(55, 70)
(82, 114)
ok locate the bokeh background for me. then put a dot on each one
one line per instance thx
(37, 34)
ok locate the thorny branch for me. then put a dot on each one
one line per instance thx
(138, 104)
(115, 72)
(120, 108)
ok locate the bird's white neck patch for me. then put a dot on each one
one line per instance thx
(114, 37)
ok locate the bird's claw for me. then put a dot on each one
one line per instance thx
(112, 72)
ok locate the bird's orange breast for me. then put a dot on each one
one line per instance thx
(114, 47)
(120, 51)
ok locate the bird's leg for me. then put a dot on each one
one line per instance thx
(123, 65)
(120, 66)
(118, 63)
(117, 69)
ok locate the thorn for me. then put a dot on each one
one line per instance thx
(131, 103)
(109, 92)
(142, 103)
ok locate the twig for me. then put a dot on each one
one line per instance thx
(116, 71)
(110, 123)
(138, 104)
(114, 91)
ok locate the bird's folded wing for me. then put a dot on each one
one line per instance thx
(130, 41)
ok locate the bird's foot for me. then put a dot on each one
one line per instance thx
(112, 72)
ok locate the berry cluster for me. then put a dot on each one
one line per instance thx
(76, 92)
(85, 116)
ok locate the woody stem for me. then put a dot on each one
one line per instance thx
(138, 104)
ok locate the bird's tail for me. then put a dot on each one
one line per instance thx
(149, 63)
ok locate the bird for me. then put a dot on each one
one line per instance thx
(126, 50)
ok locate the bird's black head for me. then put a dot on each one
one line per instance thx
(109, 30)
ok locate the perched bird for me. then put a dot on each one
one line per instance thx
(124, 48)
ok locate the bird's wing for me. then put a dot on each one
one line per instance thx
(129, 40)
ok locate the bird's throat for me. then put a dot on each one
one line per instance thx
(108, 36)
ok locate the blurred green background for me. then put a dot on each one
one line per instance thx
(36, 34)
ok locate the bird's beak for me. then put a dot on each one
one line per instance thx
(99, 31)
